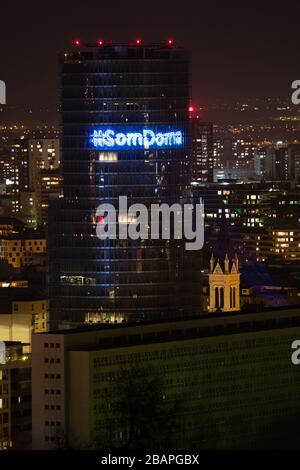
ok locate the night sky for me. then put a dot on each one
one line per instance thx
(239, 51)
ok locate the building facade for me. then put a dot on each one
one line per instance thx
(22, 313)
(22, 162)
(203, 150)
(15, 397)
(112, 94)
(20, 252)
(231, 373)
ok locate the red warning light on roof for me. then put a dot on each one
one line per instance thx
(191, 109)
(76, 42)
(138, 41)
(100, 42)
(170, 41)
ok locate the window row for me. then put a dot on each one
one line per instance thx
(52, 407)
(52, 360)
(52, 423)
(52, 376)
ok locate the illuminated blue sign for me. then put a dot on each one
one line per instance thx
(106, 138)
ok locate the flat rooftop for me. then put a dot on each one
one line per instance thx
(109, 336)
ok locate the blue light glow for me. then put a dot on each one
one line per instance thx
(107, 138)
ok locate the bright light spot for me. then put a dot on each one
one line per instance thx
(101, 220)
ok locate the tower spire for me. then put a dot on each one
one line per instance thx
(236, 262)
(212, 263)
(226, 264)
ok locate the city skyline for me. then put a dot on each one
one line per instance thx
(149, 229)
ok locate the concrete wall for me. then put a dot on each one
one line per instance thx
(80, 399)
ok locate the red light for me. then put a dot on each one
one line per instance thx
(170, 42)
(138, 41)
(101, 219)
(191, 109)
(77, 42)
(100, 42)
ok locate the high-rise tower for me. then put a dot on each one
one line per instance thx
(125, 133)
(203, 150)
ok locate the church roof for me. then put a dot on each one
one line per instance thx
(219, 267)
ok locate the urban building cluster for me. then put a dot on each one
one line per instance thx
(82, 320)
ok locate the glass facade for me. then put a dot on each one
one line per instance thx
(122, 88)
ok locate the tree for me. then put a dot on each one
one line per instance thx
(140, 414)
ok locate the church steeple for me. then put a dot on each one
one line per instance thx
(224, 285)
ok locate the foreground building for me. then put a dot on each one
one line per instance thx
(229, 374)
(125, 133)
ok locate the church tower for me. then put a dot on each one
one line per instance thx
(224, 285)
